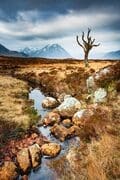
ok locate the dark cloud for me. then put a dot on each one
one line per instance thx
(51, 7)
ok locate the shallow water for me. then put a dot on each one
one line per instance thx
(44, 172)
(37, 96)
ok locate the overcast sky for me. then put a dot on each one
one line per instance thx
(35, 23)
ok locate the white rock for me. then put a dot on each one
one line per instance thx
(69, 107)
(97, 76)
(90, 83)
(67, 96)
(100, 95)
(101, 73)
(79, 114)
(49, 102)
(82, 116)
(105, 71)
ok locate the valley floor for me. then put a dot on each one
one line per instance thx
(98, 157)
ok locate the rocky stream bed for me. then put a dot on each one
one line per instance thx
(45, 172)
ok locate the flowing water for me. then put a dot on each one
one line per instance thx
(44, 172)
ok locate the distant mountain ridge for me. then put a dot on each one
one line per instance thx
(49, 51)
(6, 52)
(113, 55)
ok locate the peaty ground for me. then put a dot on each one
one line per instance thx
(98, 157)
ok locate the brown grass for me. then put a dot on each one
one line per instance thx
(104, 158)
(15, 110)
(65, 76)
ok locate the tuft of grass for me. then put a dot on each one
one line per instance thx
(33, 115)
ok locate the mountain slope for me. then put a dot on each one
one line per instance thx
(6, 52)
(113, 55)
(49, 51)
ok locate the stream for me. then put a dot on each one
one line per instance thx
(44, 172)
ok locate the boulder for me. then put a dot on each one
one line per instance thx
(63, 133)
(102, 73)
(24, 160)
(8, 171)
(50, 149)
(67, 96)
(100, 95)
(51, 118)
(59, 132)
(69, 106)
(49, 102)
(82, 116)
(35, 154)
(90, 84)
(67, 123)
(73, 131)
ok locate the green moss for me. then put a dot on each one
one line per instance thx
(33, 115)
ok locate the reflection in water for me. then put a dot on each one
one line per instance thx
(38, 97)
(45, 172)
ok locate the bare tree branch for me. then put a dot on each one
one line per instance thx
(83, 37)
(95, 45)
(77, 38)
(92, 41)
(89, 30)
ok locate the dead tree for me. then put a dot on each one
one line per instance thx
(87, 45)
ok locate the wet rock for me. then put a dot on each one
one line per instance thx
(67, 123)
(82, 116)
(49, 102)
(100, 95)
(69, 106)
(62, 133)
(51, 118)
(35, 155)
(24, 160)
(8, 171)
(59, 132)
(74, 131)
(50, 149)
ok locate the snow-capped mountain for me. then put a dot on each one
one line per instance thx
(49, 51)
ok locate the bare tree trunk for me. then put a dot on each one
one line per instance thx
(86, 59)
(87, 45)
